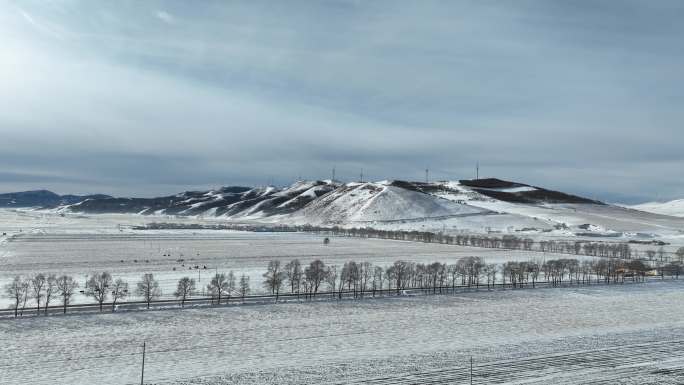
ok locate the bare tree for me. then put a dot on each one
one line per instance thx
(38, 289)
(27, 292)
(244, 286)
(148, 288)
(315, 274)
(489, 271)
(218, 286)
(350, 275)
(119, 291)
(185, 288)
(98, 287)
(378, 278)
(274, 278)
(16, 291)
(534, 267)
(398, 273)
(66, 287)
(231, 286)
(331, 279)
(293, 272)
(50, 288)
(367, 272)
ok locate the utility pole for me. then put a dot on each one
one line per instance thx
(361, 175)
(477, 171)
(142, 373)
(426, 175)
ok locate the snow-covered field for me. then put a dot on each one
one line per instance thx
(78, 245)
(158, 252)
(543, 336)
(631, 334)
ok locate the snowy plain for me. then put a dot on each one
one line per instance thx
(544, 336)
(53, 244)
(602, 334)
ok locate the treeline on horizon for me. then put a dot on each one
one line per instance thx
(623, 250)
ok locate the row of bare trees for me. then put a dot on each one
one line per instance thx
(221, 286)
(42, 289)
(557, 271)
(360, 278)
(355, 278)
(621, 250)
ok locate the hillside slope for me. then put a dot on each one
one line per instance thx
(673, 208)
(383, 201)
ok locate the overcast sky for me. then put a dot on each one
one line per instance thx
(144, 98)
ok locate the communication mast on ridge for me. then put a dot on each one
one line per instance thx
(333, 174)
(361, 175)
(427, 173)
(477, 171)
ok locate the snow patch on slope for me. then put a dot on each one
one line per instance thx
(673, 208)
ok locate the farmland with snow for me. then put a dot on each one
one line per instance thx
(542, 336)
(81, 246)
(604, 334)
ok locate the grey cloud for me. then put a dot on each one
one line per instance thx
(582, 96)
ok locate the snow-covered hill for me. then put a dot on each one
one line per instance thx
(229, 202)
(484, 205)
(382, 201)
(673, 208)
(42, 198)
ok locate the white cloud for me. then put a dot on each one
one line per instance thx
(165, 17)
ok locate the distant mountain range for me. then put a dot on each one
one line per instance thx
(326, 198)
(43, 199)
(482, 205)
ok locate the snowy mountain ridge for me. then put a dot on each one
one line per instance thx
(42, 198)
(483, 205)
